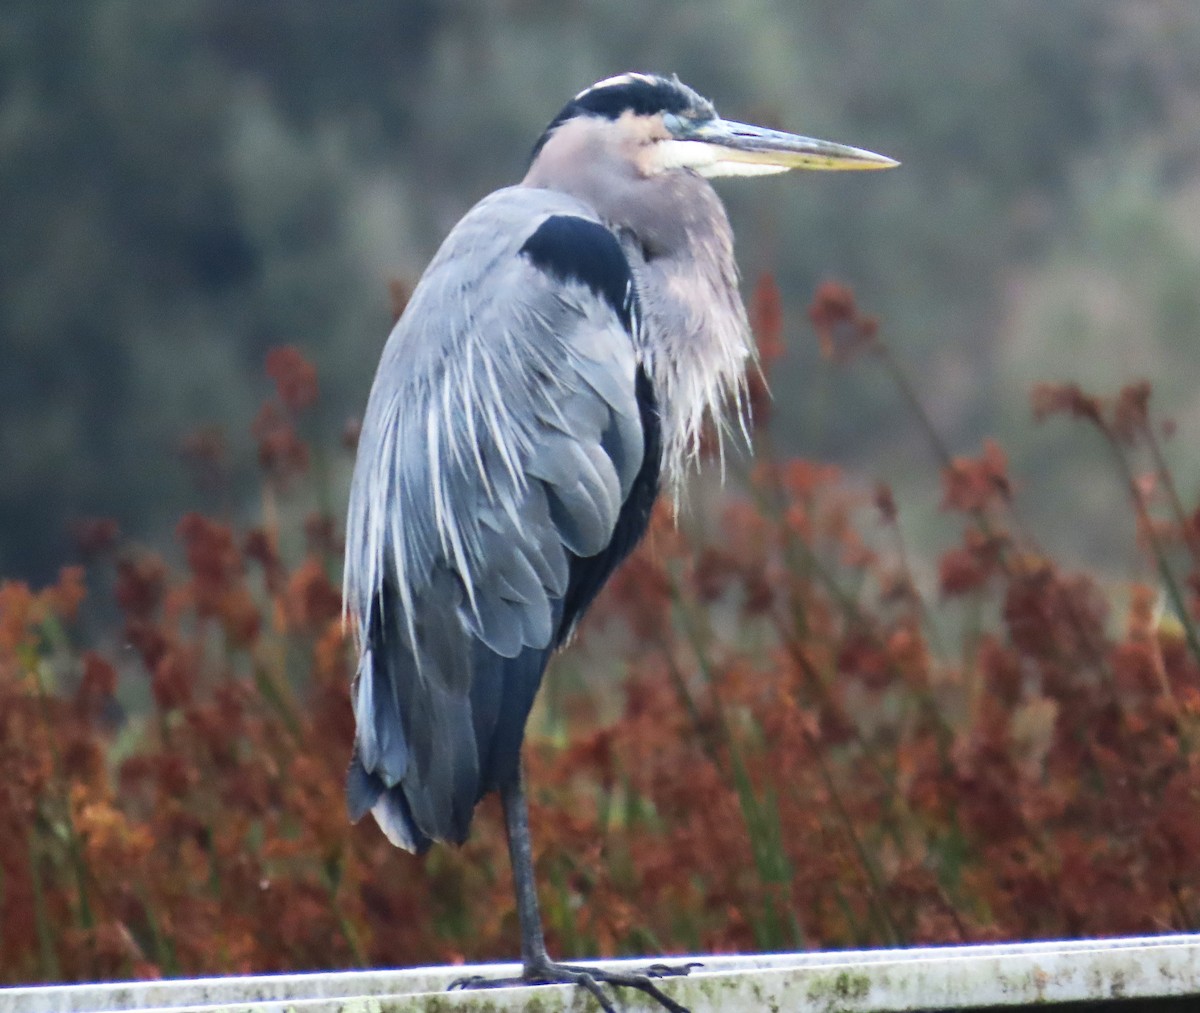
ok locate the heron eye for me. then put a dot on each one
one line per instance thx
(677, 125)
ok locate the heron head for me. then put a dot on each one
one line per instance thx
(662, 125)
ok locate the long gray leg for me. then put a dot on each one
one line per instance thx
(537, 967)
(520, 855)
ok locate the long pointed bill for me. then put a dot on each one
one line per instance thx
(726, 148)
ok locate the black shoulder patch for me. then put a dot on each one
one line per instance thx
(575, 249)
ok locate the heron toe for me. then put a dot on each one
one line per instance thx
(590, 978)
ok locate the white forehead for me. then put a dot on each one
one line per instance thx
(620, 79)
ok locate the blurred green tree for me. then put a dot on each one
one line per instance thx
(187, 184)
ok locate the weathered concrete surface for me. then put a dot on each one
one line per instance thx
(1104, 974)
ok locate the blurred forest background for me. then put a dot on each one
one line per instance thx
(188, 184)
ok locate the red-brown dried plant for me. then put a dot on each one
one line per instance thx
(843, 331)
(796, 750)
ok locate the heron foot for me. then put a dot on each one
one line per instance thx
(550, 973)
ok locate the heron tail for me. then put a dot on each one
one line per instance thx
(415, 765)
(366, 792)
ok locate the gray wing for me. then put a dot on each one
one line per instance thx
(501, 438)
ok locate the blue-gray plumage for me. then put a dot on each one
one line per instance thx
(554, 367)
(506, 441)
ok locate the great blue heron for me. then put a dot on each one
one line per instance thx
(553, 369)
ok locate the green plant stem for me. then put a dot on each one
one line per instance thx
(1156, 547)
(74, 845)
(803, 560)
(875, 892)
(923, 611)
(853, 613)
(349, 932)
(164, 952)
(909, 393)
(761, 820)
(1168, 481)
(274, 691)
(979, 516)
(47, 954)
(1187, 923)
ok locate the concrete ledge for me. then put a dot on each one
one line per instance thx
(868, 981)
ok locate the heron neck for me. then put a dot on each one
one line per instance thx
(695, 338)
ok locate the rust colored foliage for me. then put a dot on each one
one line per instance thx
(766, 323)
(797, 751)
(842, 329)
(295, 378)
(282, 453)
(94, 536)
(205, 453)
(973, 484)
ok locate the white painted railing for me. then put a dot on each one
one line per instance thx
(868, 981)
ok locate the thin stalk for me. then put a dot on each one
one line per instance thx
(817, 684)
(675, 673)
(909, 393)
(349, 932)
(46, 934)
(164, 952)
(771, 502)
(854, 615)
(939, 447)
(274, 691)
(952, 911)
(322, 484)
(923, 610)
(978, 515)
(1173, 498)
(895, 807)
(861, 937)
(765, 845)
(770, 859)
(1156, 547)
(874, 884)
(1187, 923)
(74, 845)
